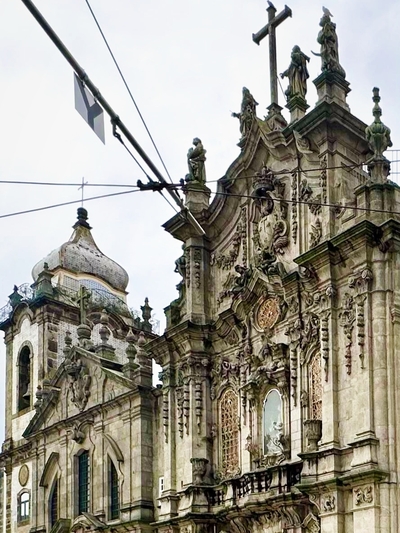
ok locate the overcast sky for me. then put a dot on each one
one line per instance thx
(186, 63)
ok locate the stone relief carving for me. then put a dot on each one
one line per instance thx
(166, 377)
(311, 524)
(325, 341)
(328, 503)
(197, 255)
(360, 301)
(268, 313)
(304, 399)
(315, 233)
(363, 495)
(227, 260)
(347, 320)
(271, 232)
(79, 381)
(305, 192)
(241, 280)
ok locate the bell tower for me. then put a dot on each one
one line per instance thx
(72, 284)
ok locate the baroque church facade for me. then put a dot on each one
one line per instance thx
(278, 404)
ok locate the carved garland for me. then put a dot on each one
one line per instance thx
(322, 178)
(197, 267)
(347, 320)
(294, 207)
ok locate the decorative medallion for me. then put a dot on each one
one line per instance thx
(23, 475)
(268, 313)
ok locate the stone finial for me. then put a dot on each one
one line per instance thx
(39, 398)
(15, 297)
(82, 218)
(146, 312)
(104, 330)
(131, 349)
(105, 350)
(378, 137)
(43, 285)
(377, 134)
(84, 336)
(131, 366)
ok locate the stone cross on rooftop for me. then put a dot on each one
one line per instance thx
(273, 21)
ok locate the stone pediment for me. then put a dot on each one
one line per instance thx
(82, 382)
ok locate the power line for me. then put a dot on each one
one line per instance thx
(316, 204)
(66, 203)
(304, 171)
(127, 87)
(247, 196)
(51, 183)
(77, 184)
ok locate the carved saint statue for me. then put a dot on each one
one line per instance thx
(328, 40)
(196, 158)
(297, 74)
(247, 112)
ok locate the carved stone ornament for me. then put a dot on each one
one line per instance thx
(79, 381)
(226, 260)
(328, 503)
(363, 495)
(23, 475)
(268, 313)
(311, 524)
(313, 432)
(199, 469)
(347, 320)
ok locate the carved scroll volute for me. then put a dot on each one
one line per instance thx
(361, 283)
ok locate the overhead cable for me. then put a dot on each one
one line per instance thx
(66, 203)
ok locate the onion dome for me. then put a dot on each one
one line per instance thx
(81, 255)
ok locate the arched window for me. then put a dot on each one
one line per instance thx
(229, 432)
(53, 504)
(83, 477)
(23, 506)
(113, 491)
(24, 379)
(315, 376)
(272, 423)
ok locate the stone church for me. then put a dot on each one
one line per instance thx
(278, 409)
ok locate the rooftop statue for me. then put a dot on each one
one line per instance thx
(247, 112)
(328, 40)
(377, 134)
(196, 158)
(297, 74)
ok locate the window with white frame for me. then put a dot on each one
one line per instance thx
(23, 506)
